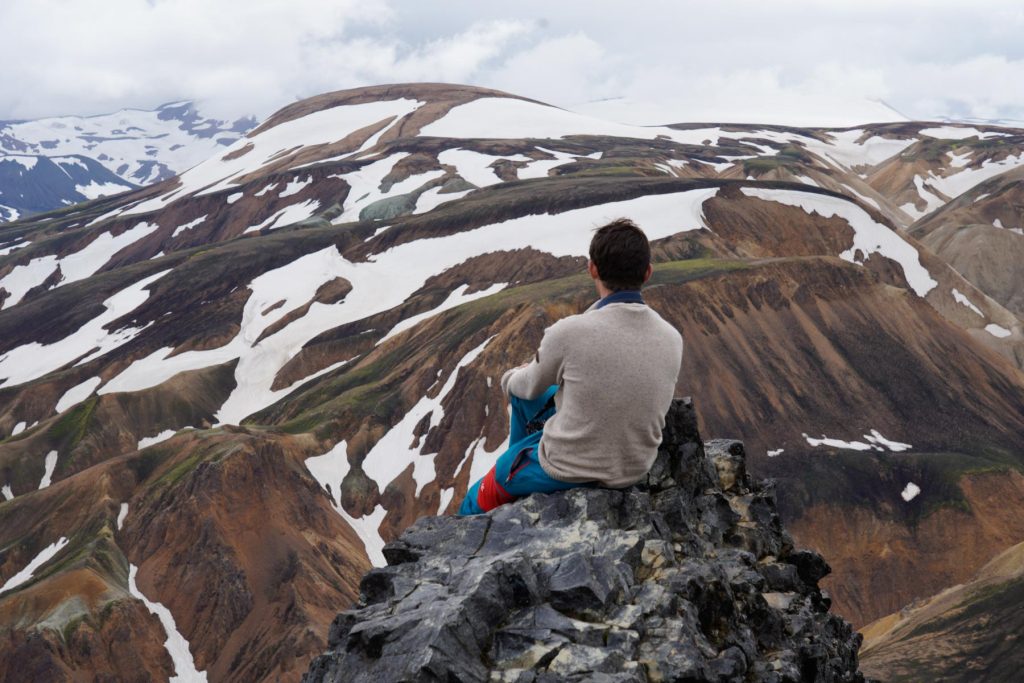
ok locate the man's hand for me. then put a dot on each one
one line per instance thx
(505, 378)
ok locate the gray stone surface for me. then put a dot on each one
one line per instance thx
(688, 576)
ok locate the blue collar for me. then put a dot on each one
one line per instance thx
(626, 296)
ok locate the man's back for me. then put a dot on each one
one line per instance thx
(617, 367)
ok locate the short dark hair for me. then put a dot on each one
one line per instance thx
(621, 252)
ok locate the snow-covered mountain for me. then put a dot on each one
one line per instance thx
(251, 375)
(50, 163)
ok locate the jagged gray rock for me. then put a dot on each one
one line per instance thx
(687, 576)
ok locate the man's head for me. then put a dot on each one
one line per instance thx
(620, 256)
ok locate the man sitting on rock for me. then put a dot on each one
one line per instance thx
(589, 408)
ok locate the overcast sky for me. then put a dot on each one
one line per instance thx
(805, 62)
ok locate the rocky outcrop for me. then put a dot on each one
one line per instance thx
(686, 576)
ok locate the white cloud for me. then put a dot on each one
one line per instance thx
(985, 86)
(798, 61)
(583, 69)
(60, 57)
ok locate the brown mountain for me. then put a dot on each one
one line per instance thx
(281, 358)
(981, 234)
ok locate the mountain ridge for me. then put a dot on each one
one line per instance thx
(346, 290)
(102, 154)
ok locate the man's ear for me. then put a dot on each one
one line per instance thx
(650, 270)
(592, 269)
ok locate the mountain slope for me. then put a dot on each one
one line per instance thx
(965, 633)
(348, 282)
(981, 234)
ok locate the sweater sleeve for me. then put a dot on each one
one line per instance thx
(544, 370)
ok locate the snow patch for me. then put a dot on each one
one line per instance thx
(330, 470)
(997, 331)
(446, 498)
(234, 197)
(958, 183)
(540, 168)
(33, 360)
(844, 151)
(864, 198)
(18, 428)
(295, 186)
(86, 262)
(8, 493)
(70, 161)
(718, 166)
(959, 160)
(121, 515)
(393, 453)
(456, 298)
(911, 210)
(962, 299)
(932, 201)
(364, 186)
(150, 440)
(26, 162)
(188, 226)
(910, 491)
(432, 198)
(482, 459)
(878, 440)
(837, 443)
(779, 451)
(288, 215)
(24, 277)
(874, 440)
(50, 465)
(367, 528)
(177, 647)
(95, 190)
(475, 167)
(869, 236)
(13, 247)
(414, 182)
(958, 133)
(78, 393)
(44, 556)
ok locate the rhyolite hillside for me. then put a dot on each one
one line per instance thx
(249, 377)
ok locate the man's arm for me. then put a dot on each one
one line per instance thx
(533, 379)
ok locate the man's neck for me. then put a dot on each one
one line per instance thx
(625, 296)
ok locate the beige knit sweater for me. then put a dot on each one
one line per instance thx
(617, 368)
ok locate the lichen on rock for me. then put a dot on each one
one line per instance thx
(686, 576)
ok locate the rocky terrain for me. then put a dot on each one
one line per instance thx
(313, 320)
(687, 576)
